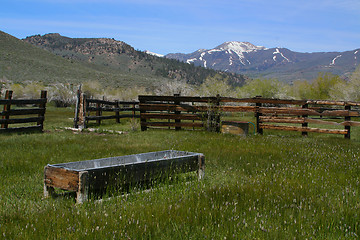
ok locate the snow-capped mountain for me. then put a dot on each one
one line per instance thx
(281, 63)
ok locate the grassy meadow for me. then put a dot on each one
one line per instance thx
(276, 186)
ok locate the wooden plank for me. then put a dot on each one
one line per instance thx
(302, 129)
(103, 109)
(263, 100)
(238, 108)
(37, 128)
(173, 124)
(17, 112)
(129, 102)
(100, 101)
(22, 101)
(129, 116)
(350, 123)
(21, 120)
(61, 178)
(90, 118)
(145, 98)
(106, 109)
(301, 111)
(281, 119)
(326, 102)
(353, 104)
(172, 107)
(170, 116)
(306, 120)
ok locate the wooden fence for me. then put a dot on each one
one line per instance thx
(23, 111)
(88, 109)
(276, 114)
(179, 112)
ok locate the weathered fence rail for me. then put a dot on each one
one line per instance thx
(276, 114)
(179, 112)
(23, 111)
(88, 109)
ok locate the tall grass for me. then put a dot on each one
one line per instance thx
(276, 186)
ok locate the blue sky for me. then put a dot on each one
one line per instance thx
(168, 26)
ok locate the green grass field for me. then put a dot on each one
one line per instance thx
(276, 186)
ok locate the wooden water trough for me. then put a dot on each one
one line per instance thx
(84, 177)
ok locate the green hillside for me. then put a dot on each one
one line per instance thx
(117, 57)
(21, 61)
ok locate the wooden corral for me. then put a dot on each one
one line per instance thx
(180, 112)
(277, 114)
(88, 109)
(23, 111)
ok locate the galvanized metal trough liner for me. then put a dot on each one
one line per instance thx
(93, 175)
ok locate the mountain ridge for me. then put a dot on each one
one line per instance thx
(119, 56)
(282, 63)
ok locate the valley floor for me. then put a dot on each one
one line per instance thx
(276, 186)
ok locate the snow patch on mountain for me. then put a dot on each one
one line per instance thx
(277, 51)
(238, 48)
(191, 60)
(202, 59)
(154, 54)
(333, 61)
(213, 50)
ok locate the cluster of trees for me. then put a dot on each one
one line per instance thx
(326, 86)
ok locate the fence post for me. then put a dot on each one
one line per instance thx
(217, 113)
(305, 124)
(117, 111)
(347, 118)
(98, 113)
(8, 96)
(82, 111)
(77, 108)
(43, 95)
(257, 116)
(133, 111)
(177, 102)
(142, 111)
